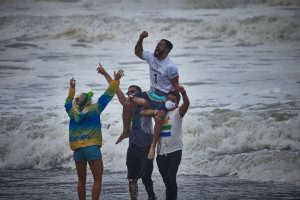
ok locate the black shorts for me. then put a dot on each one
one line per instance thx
(138, 164)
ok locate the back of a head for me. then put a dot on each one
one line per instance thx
(81, 100)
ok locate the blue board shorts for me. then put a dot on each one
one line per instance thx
(156, 102)
(87, 153)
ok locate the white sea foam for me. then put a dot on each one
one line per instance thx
(232, 143)
(217, 143)
(273, 26)
(252, 31)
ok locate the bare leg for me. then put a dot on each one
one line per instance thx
(133, 189)
(81, 172)
(141, 102)
(97, 171)
(127, 107)
(159, 118)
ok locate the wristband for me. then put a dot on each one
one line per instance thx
(155, 112)
(183, 93)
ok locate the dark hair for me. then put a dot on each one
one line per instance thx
(169, 44)
(176, 94)
(136, 87)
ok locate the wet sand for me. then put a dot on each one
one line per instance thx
(61, 184)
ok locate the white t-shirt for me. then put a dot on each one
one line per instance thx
(160, 72)
(170, 138)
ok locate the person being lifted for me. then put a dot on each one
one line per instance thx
(163, 78)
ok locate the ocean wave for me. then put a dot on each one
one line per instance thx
(190, 4)
(216, 143)
(251, 31)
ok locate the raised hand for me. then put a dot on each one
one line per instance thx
(181, 89)
(144, 34)
(72, 83)
(101, 70)
(119, 74)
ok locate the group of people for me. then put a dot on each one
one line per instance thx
(161, 103)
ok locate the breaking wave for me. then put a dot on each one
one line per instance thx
(216, 143)
(251, 31)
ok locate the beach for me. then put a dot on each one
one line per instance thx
(238, 61)
(61, 183)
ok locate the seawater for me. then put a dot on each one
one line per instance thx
(238, 61)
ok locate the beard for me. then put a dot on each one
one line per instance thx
(158, 53)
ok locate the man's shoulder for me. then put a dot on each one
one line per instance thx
(170, 63)
(147, 55)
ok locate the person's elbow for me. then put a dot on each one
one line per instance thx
(139, 54)
(187, 103)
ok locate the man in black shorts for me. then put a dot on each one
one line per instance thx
(140, 139)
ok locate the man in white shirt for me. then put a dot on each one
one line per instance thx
(169, 145)
(163, 78)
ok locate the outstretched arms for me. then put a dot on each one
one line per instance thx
(68, 104)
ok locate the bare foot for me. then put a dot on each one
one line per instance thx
(123, 136)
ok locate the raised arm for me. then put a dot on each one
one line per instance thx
(68, 104)
(72, 83)
(138, 50)
(109, 92)
(175, 83)
(119, 92)
(186, 102)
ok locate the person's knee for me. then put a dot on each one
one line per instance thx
(98, 178)
(81, 181)
(146, 104)
(160, 115)
(133, 181)
(146, 180)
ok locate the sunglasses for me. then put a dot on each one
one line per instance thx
(130, 92)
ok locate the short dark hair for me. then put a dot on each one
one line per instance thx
(169, 44)
(176, 94)
(136, 87)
